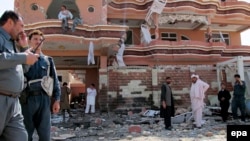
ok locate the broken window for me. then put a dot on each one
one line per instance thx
(169, 36)
(217, 37)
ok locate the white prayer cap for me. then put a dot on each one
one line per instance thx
(196, 76)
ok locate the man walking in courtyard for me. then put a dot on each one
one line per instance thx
(167, 103)
(11, 76)
(64, 100)
(197, 95)
(239, 98)
(91, 94)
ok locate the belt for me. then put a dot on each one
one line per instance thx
(35, 93)
(10, 94)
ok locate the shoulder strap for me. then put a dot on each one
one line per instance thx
(47, 60)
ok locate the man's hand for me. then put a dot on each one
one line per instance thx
(241, 83)
(56, 107)
(31, 58)
(222, 99)
(164, 105)
(22, 39)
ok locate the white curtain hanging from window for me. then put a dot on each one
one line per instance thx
(91, 56)
(119, 56)
(146, 36)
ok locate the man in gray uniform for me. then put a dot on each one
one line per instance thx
(11, 76)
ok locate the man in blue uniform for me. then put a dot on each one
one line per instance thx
(238, 100)
(11, 76)
(36, 110)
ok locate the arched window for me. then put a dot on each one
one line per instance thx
(55, 7)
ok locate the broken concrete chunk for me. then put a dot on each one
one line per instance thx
(135, 129)
(63, 137)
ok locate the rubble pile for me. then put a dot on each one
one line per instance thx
(134, 127)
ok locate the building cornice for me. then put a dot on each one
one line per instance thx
(197, 6)
(187, 48)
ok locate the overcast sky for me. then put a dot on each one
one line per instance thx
(9, 4)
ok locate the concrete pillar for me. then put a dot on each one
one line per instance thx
(218, 77)
(156, 22)
(156, 92)
(103, 62)
(240, 67)
(103, 100)
(103, 72)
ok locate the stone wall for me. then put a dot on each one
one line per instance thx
(138, 87)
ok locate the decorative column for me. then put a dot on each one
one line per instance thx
(104, 11)
(209, 34)
(240, 67)
(103, 83)
(156, 22)
(218, 70)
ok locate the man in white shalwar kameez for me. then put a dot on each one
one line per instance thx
(91, 94)
(197, 95)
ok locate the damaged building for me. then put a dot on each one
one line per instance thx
(137, 43)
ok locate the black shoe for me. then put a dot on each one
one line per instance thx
(194, 126)
(168, 128)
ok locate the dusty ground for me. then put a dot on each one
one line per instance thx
(108, 127)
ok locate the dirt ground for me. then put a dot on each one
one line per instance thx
(109, 127)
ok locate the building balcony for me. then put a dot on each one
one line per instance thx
(53, 26)
(184, 52)
(102, 36)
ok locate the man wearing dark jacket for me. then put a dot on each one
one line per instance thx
(167, 103)
(238, 100)
(36, 110)
(224, 97)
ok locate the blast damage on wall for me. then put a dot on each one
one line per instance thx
(136, 87)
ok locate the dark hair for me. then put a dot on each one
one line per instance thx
(9, 15)
(65, 83)
(237, 75)
(222, 83)
(64, 6)
(35, 32)
(168, 78)
(93, 85)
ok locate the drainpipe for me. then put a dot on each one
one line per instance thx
(240, 67)
(218, 77)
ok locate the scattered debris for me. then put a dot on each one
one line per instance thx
(129, 125)
(63, 137)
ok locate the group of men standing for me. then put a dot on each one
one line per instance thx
(23, 68)
(28, 60)
(197, 95)
(17, 65)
